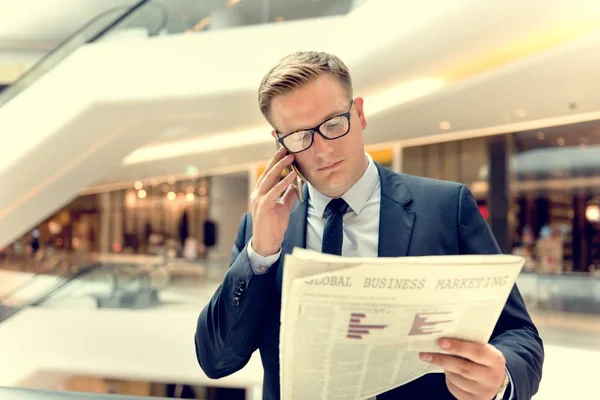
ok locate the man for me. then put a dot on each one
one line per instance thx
(352, 207)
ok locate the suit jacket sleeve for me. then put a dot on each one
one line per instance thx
(514, 335)
(227, 328)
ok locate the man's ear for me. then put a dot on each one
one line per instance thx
(358, 106)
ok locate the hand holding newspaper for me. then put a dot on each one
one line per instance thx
(352, 328)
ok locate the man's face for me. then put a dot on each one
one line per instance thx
(331, 166)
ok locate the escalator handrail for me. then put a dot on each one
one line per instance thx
(14, 89)
(79, 274)
(108, 28)
(25, 284)
(49, 293)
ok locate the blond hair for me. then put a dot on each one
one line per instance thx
(299, 69)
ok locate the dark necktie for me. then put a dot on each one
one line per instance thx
(333, 234)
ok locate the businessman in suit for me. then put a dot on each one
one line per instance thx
(352, 207)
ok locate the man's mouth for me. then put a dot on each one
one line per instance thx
(330, 167)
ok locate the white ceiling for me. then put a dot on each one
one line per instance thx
(542, 82)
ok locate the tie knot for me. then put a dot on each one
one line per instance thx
(336, 207)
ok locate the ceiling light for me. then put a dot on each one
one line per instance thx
(171, 195)
(54, 227)
(191, 170)
(592, 213)
(400, 94)
(444, 125)
(130, 199)
(138, 185)
(205, 144)
(521, 113)
(190, 197)
(171, 180)
(141, 194)
(540, 135)
(479, 187)
(560, 141)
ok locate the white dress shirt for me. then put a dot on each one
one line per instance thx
(361, 222)
(361, 225)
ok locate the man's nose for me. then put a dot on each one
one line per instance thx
(322, 146)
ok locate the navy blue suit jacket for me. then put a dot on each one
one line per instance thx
(418, 217)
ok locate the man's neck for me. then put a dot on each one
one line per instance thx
(365, 163)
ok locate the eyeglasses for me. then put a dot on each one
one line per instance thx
(330, 129)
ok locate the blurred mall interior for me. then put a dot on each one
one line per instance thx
(131, 138)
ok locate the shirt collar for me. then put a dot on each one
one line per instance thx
(356, 197)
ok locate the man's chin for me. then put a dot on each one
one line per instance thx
(332, 187)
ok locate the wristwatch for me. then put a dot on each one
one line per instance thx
(502, 390)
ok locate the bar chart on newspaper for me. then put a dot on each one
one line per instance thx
(352, 328)
(357, 328)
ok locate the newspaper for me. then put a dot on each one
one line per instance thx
(352, 328)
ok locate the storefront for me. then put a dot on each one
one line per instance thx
(539, 190)
(556, 197)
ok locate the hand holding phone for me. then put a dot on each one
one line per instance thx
(270, 209)
(299, 178)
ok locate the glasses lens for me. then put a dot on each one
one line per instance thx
(297, 141)
(335, 127)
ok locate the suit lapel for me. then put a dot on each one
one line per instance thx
(295, 236)
(396, 218)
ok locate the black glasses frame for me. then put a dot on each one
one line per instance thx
(316, 129)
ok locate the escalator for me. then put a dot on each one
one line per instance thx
(39, 287)
(55, 136)
(100, 285)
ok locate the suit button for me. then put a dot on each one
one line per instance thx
(242, 284)
(236, 301)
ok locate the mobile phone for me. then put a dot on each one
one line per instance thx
(299, 177)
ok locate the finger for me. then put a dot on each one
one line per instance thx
(465, 384)
(479, 353)
(279, 154)
(457, 365)
(274, 174)
(290, 196)
(458, 392)
(279, 188)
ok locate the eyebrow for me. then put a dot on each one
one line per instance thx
(330, 115)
